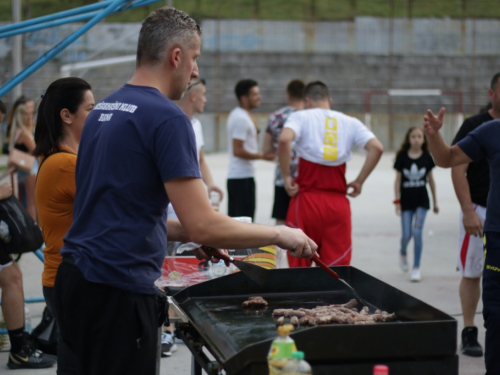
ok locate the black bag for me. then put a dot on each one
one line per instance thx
(18, 231)
(44, 336)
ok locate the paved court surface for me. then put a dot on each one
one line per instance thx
(376, 231)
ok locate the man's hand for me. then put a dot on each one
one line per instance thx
(268, 156)
(296, 242)
(291, 187)
(213, 187)
(356, 189)
(5, 190)
(433, 123)
(436, 209)
(472, 223)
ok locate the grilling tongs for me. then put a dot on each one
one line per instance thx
(336, 276)
(256, 273)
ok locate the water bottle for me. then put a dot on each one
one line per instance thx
(380, 370)
(281, 350)
(27, 319)
(215, 200)
(297, 365)
(218, 269)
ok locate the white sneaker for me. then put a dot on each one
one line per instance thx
(168, 346)
(415, 275)
(403, 263)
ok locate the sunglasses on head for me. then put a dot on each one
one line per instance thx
(201, 80)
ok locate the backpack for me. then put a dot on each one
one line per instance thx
(44, 336)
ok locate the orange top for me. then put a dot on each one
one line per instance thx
(55, 195)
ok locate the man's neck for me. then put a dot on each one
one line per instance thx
(150, 77)
(246, 108)
(296, 104)
(188, 110)
(324, 104)
(494, 114)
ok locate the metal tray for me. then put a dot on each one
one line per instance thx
(238, 339)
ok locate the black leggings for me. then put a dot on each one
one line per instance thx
(111, 331)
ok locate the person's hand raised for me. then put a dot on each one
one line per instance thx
(433, 123)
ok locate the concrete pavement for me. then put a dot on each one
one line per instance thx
(376, 232)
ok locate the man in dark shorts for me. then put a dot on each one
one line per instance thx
(137, 153)
(480, 143)
(277, 119)
(242, 137)
(472, 183)
(22, 355)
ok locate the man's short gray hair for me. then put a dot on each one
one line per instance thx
(161, 30)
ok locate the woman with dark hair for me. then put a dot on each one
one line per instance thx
(413, 170)
(61, 116)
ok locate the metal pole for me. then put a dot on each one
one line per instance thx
(11, 83)
(23, 27)
(17, 58)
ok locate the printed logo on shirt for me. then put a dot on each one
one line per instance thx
(105, 117)
(124, 107)
(330, 150)
(415, 177)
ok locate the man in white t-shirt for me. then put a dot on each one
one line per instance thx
(242, 131)
(323, 140)
(191, 103)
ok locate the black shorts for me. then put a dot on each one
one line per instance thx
(241, 197)
(281, 203)
(110, 331)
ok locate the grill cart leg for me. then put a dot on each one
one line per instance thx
(158, 351)
(195, 366)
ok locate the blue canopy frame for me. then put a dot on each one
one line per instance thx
(94, 12)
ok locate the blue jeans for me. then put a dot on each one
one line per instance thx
(414, 230)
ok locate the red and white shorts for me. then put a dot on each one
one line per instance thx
(470, 248)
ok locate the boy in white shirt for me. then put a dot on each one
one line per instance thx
(242, 133)
(323, 140)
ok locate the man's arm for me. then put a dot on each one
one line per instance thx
(432, 185)
(268, 147)
(287, 136)
(444, 155)
(206, 176)
(472, 222)
(240, 151)
(175, 231)
(208, 227)
(375, 150)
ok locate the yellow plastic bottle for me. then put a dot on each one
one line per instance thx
(281, 350)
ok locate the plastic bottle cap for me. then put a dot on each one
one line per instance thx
(285, 330)
(380, 370)
(298, 355)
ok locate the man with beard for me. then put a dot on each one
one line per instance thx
(137, 153)
(242, 135)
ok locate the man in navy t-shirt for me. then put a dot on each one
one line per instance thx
(482, 142)
(137, 153)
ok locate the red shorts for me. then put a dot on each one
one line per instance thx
(323, 214)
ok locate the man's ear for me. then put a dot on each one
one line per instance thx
(491, 94)
(66, 116)
(308, 102)
(330, 100)
(175, 56)
(192, 96)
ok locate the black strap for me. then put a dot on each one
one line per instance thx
(56, 151)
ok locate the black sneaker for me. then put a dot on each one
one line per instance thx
(29, 357)
(469, 345)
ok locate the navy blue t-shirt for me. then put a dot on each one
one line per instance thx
(132, 142)
(484, 142)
